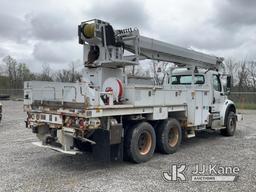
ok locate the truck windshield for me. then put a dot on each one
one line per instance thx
(187, 79)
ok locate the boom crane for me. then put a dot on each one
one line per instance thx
(144, 47)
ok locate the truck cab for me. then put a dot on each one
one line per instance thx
(210, 96)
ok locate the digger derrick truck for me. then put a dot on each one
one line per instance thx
(117, 116)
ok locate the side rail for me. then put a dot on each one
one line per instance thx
(43, 91)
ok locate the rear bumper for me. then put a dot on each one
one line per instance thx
(70, 152)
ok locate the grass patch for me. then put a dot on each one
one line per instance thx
(246, 105)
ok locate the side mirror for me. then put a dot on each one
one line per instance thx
(228, 84)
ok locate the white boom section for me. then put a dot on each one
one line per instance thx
(157, 50)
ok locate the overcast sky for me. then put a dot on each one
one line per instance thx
(45, 31)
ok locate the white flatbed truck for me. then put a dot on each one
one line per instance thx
(116, 116)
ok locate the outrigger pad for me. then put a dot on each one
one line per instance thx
(103, 151)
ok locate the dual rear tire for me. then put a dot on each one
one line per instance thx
(169, 135)
(141, 140)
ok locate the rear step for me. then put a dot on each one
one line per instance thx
(70, 152)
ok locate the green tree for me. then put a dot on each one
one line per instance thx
(11, 64)
(17, 73)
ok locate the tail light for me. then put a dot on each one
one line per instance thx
(75, 122)
(81, 123)
(68, 122)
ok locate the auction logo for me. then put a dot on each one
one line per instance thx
(176, 173)
(201, 172)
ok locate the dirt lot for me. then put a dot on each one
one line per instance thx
(25, 167)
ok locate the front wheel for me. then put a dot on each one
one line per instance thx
(230, 125)
(140, 142)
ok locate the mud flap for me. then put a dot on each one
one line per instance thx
(103, 150)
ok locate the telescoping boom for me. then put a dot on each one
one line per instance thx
(161, 51)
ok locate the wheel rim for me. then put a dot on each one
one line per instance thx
(173, 136)
(144, 143)
(232, 124)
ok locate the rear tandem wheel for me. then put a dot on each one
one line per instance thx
(140, 142)
(169, 136)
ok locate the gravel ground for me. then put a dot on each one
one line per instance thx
(25, 167)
